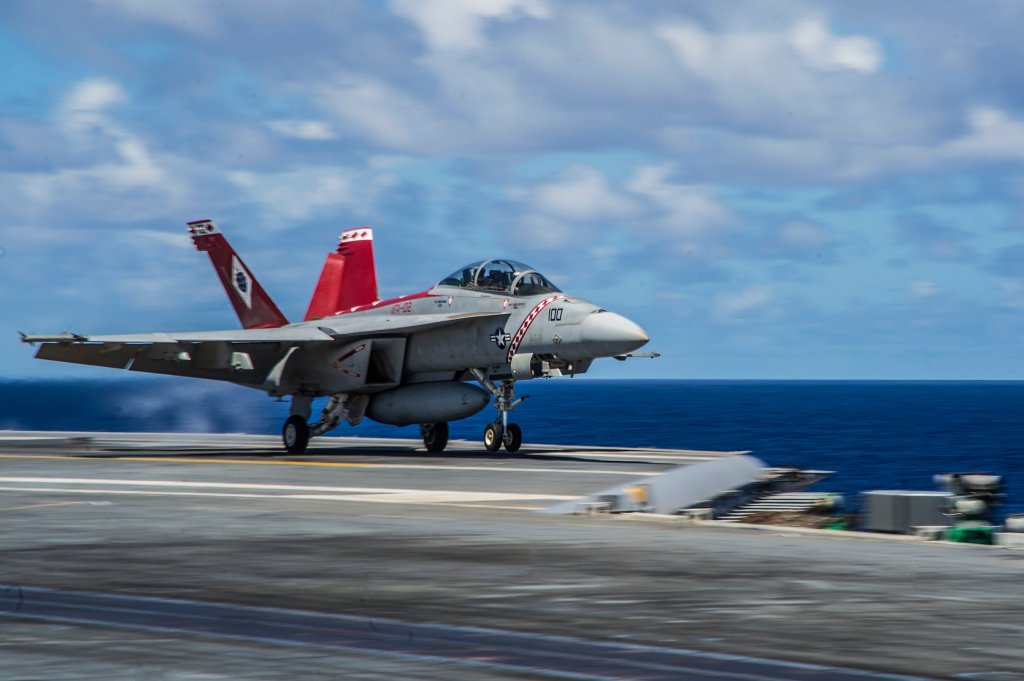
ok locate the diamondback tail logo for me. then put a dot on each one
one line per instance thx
(241, 281)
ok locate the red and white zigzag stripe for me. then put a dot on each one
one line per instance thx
(525, 326)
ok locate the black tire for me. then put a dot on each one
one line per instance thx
(492, 437)
(435, 436)
(513, 438)
(295, 434)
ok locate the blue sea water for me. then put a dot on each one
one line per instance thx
(874, 434)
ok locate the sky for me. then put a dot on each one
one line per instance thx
(790, 190)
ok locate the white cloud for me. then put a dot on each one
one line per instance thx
(802, 236)
(458, 25)
(767, 59)
(645, 210)
(695, 48)
(303, 130)
(823, 50)
(289, 196)
(191, 16)
(729, 306)
(988, 135)
(294, 195)
(102, 161)
(384, 114)
(992, 134)
(582, 193)
(924, 289)
(685, 210)
(94, 94)
(543, 229)
(83, 111)
(158, 238)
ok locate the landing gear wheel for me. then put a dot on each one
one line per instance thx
(295, 434)
(513, 438)
(492, 437)
(435, 436)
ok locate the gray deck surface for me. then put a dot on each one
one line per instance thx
(413, 553)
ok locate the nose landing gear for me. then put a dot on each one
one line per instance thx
(493, 435)
(513, 438)
(500, 431)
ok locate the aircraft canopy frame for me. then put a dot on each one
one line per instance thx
(500, 276)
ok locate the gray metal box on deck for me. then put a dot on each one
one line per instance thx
(902, 510)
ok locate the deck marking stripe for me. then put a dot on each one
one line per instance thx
(167, 458)
(126, 482)
(603, 454)
(440, 498)
(53, 503)
(496, 468)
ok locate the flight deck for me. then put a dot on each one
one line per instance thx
(204, 556)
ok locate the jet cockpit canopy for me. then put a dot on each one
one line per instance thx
(500, 276)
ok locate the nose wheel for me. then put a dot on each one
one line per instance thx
(513, 438)
(496, 435)
(493, 435)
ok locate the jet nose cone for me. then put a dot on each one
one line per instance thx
(606, 334)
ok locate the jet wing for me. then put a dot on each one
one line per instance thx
(284, 334)
(330, 329)
(245, 356)
(242, 356)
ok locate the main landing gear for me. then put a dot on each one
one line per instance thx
(500, 431)
(295, 434)
(297, 428)
(435, 436)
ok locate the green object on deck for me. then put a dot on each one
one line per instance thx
(970, 534)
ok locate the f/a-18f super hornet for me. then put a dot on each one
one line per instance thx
(403, 361)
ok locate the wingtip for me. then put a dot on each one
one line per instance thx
(62, 337)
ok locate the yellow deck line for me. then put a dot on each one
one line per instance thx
(178, 459)
(500, 468)
(53, 503)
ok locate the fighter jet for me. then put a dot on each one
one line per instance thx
(402, 361)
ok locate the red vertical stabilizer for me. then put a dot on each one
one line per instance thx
(253, 306)
(349, 277)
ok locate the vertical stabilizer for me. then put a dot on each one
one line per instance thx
(253, 306)
(349, 276)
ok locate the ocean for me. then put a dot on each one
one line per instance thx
(873, 434)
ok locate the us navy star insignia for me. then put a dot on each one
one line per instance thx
(500, 338)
